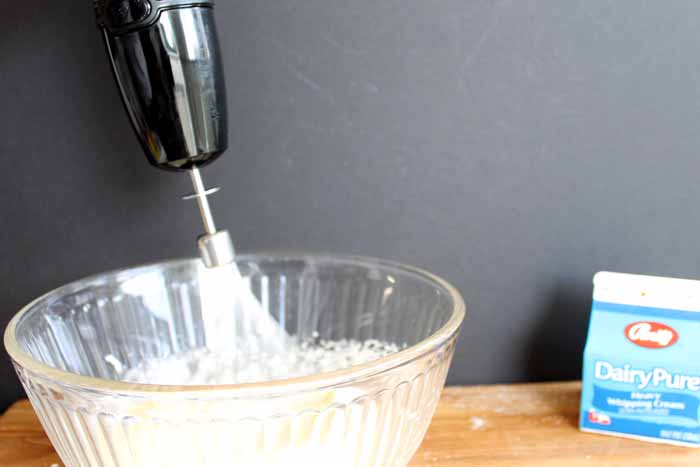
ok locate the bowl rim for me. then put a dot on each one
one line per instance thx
(257, 389)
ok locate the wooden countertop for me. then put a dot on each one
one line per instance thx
(494, 426)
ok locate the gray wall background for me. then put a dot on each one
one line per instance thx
(514, 147)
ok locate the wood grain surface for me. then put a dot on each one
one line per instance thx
(517, 425)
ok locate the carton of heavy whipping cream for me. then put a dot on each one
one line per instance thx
(641, 366)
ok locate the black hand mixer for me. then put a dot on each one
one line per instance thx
(166, 59)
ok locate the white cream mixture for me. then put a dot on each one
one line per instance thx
(310, 428)
(245, 344)
(208, 367)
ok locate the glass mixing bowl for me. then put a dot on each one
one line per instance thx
(70, 346)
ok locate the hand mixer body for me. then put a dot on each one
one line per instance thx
(166, 59)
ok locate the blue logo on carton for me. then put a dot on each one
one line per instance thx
(641, 374)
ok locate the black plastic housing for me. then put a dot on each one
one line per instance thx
(166, 59)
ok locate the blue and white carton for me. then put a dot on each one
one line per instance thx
(641, 366)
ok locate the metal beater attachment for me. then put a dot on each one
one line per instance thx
(215, 247)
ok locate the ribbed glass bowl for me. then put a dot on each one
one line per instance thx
(64, 346)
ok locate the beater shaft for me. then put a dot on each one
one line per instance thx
(215, 247)
(201, 194)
